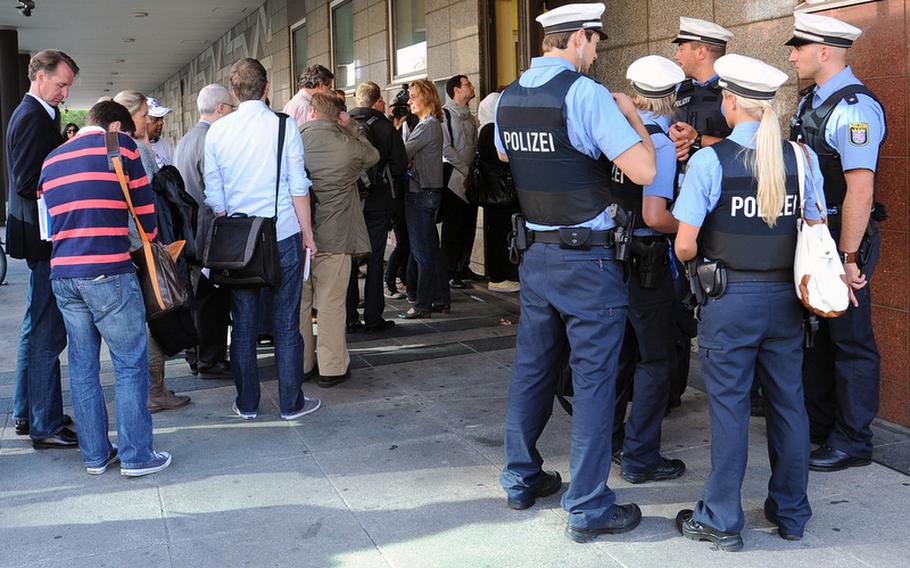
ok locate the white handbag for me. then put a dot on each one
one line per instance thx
(817, 268)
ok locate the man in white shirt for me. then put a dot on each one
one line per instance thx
(154, 125)
(240, 177)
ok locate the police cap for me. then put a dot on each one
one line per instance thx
(811, 28)
(749, 78)
(654, 76)
(692, 29)
(573, 17)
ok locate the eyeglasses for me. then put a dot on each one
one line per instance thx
(71, 130)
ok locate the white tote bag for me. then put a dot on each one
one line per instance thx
(817, 269)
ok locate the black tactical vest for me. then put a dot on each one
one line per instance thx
(626, 192)
(734, 231)
(808, 126)
(556, 184)
(699, 107)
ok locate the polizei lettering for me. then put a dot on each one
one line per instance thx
(529, 141)
(748, 206)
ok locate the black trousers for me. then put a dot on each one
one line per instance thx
(378, 223)
(398, 259)
(459, 225)
(212, 315)
(497, 224)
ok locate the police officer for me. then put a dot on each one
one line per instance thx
(651, 294)
(844, 123)
(698, 45)
(737, 211)
(556, 126)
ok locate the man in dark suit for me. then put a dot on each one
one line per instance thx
(33, 132)
(212, 306)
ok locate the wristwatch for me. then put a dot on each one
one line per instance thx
(696, 143)
(848, 257)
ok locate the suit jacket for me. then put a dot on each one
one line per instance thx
(189, 158)
(30, 136)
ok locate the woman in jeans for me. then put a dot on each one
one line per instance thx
(424, 149)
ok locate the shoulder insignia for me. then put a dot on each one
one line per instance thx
(859, 133)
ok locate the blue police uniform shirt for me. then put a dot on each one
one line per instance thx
(665, 150)
(594, 122)
(702, 186)
(856, 130)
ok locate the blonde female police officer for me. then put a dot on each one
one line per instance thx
(738, 208)
(555, 125)
(651, 294)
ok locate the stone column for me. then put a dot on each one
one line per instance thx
(9, 98)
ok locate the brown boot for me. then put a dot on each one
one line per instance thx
(161, 398)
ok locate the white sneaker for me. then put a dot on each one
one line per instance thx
(243, 415)
(505, 286)
(310, 405)
(162, 461)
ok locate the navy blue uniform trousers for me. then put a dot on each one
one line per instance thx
(841, 372)
(653, 325)
(754, 332)
(579, 295)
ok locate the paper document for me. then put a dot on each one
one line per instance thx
(306, 264)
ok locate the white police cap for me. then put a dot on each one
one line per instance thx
(573, 17)
(811, 28)
(749, 78)
(654, 76)
(692, 29)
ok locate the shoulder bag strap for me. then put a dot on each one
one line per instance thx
(115, 162)
(804, 171)
(282, 129)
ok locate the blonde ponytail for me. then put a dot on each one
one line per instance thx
(767, 160)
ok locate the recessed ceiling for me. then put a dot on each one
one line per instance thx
(95, 34)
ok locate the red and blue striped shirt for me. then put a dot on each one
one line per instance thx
(89, 215)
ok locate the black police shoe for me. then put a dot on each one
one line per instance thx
(826, 458)
(552, 482)
(668, 469)
(22, 428)
(784, 534)
(63, 439)
(693, 530)
(625, 518)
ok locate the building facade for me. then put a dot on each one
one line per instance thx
(491, 41)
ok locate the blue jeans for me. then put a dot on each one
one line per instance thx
(109, 307)
(42, 339)
(245, 306)
(579, 296)
(432, 278)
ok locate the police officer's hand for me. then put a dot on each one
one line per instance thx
(625, 104)
(855, 280)
(683, 135)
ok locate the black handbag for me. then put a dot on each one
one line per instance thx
(242, 250)
(490, 186)
(163, 289)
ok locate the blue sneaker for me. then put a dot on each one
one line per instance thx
(162, 461)
(99, 469)
(310, 405)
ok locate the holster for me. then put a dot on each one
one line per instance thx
(519, 240)
(649, 260)
(810, 328)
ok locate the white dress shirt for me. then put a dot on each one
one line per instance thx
(50, 110)
(240, 165)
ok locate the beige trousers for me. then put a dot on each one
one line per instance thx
(327, 289)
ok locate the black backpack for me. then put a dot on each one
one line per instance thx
(374, 177)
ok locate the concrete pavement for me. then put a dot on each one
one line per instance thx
(398, 469)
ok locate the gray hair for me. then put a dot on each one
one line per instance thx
(210, 96)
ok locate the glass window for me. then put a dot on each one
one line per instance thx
(343, 44)
(298, 50)
(409, 37)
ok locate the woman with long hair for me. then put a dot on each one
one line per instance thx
(737, 214)
(160, 398)
(70, 130)
(424, 149)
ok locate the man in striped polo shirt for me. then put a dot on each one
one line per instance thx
(96, 287)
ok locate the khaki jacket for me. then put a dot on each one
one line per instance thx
(334, 158)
